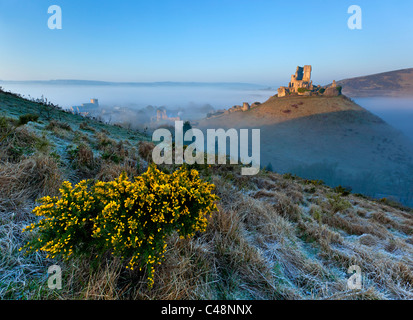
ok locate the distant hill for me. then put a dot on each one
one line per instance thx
(232, 85)
(328, 138)
(394, 83)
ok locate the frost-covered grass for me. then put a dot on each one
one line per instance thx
(273, 238)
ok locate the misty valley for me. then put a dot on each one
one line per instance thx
(147, 108)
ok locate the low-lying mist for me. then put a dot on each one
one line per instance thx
(170, 95)
(397, 112)
(134, 105)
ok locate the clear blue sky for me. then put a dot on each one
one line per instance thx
(258, 41)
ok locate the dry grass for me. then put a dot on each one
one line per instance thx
(323, 245)
(85, 126)
(18, 272)
(27, 180)
(273, 238)
(145, 150)
(55, 124)
(83, 161)
(109, 171)
(103, 140)
(268, 247)
(18, 143)
(20, 184)
(85, 156)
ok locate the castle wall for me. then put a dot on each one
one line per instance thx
(245, 106)
(301, 79)
(307, 73)
(282, 91)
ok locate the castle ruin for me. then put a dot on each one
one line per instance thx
(86, 108)
(161, 116)
(301, 84)
(301, 79)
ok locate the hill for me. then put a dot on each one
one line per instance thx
(397, 83)
(328, 138)
(274, 237)
(228, 85)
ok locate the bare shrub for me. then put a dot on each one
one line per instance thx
(85, 156)
(368, 240)
(109, 171)
(85, 126)
(381, 217)
(53, 124)
(286, 208)
(145, 150)
(103, 141)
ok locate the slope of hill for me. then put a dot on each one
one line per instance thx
(13, 106)
(328, 138)
(398, 83)
(274, 237)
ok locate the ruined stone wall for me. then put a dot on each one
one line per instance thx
(307, 73)
(302, 85)
(301, 79)
(282, 91)
(245, 106)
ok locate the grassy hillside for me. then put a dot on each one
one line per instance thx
(329, 138)
(274, 237)
(398, 83)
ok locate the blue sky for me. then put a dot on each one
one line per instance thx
(256, 41)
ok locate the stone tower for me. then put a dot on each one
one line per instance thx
(301, 79)
(161, 114)
(298, 76)
(307, 74)
(246, 106)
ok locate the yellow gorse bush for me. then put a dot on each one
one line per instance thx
(130, 219)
